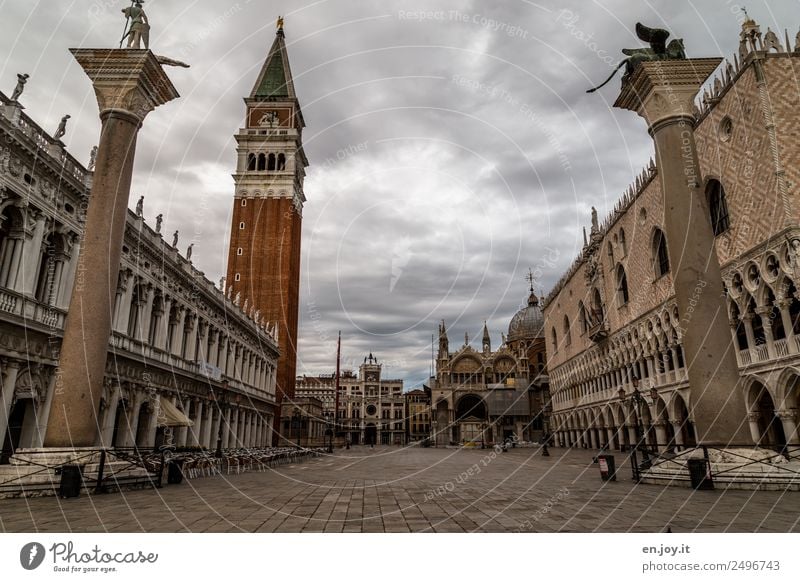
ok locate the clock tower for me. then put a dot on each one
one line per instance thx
(264, 253)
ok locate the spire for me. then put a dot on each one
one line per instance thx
(275, 83)
(529, 278)
(487, 340)
(444, 344)
(532, 300)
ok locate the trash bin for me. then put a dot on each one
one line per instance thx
(71, 481)
(700, 474)
(175, 471)
(608, 470)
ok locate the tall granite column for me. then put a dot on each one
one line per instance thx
(663, 92)
(128, 84)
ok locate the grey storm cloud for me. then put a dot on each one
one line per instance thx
(452, 144)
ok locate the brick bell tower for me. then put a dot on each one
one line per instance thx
(264, 253)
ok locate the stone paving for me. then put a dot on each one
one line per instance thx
(389, 489)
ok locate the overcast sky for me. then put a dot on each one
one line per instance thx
(452, 144)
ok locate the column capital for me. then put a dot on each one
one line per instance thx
(126, 81)
(664, 91)
(790, 414)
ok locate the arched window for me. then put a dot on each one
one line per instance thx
(137, 300)
(794, 307)
(251, 162)
(622, 244)
(567, 334)
(597, 309)
(555, 340)
(717, 207)
(11, 243)
(582, 317)
(262, 162)
(660, 255)
(174, 315)
(155, 319)
(756, 323)
(622, 286)
(778, 331)
(281, 162)
(741, 334)
(271, 163)
(47, 265)
(610, 251)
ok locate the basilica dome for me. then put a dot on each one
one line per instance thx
(528, 323)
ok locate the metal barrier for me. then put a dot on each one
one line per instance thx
(113, 470)
(654, 457)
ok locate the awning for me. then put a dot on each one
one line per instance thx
(169, 415)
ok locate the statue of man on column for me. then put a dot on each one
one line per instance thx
(139, 30)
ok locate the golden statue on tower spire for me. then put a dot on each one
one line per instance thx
(280, 23)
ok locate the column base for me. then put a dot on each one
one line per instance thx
(731, 468)
(36, 472)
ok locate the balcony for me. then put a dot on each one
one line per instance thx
(763, 353)
(206, 371)
(598, 331)
(31, 310)
(596, 325)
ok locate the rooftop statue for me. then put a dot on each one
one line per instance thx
(92, 159)
(61, 130)
(658, 51)
(22, 78)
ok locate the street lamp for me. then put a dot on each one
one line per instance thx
(546, 427)
(297, 417)
(638, 400)
(329, 433)
(220, 399)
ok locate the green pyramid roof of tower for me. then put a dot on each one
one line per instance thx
(275, 80)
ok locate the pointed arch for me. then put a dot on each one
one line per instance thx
(660, 253)
(717, 206)
(582, 321)
(622, 286)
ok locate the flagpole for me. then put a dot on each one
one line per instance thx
(336, 399)
(432, 359)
